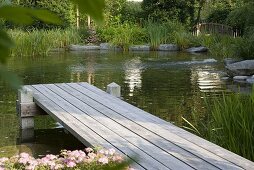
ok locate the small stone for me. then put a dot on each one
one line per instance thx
(224, 78)
(83, 47)
(168, 47)
(197, 49)
(139, 48)
(105, 46)
(240, 77)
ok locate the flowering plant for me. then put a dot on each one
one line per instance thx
(87, 159)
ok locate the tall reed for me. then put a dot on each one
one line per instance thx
(233, 118)
(157, 34)
(40, 42)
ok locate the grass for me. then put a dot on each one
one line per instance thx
(157, 34)
(233, 117)
(122, 35)
(229, 123)
(40, 42)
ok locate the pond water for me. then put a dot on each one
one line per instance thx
(168, 85)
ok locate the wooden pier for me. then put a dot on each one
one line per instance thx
(97, 118)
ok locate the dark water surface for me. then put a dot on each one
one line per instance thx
(168, 85)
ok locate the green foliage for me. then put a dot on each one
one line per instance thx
(157, 34)
(180, 10)
(233, 118)
(218, 16)
(219, 45)
(40, 42)
(122, 35)
(114, 11)
(242, 17)
(186, 40)
(132, 12)
(245, 45)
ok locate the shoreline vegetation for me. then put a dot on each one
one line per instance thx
(40, 42)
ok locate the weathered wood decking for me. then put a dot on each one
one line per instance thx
(97, 118)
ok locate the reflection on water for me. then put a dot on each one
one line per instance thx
(168, 85)
(132, 70)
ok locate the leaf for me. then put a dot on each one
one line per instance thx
(94, 8)
(26, 16)
(192, 126)
(11, 78)
(5, 44)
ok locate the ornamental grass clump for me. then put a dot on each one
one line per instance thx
(77, 159)
(233, 118)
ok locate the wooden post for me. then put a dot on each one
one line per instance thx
(114, 89)
(26, 108)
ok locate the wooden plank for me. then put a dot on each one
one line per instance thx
(97, 111)
(74, 126)
(112, 138)
(75, 91)
(165, 129)
(30, 109)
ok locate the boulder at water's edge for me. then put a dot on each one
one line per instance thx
(242, 68)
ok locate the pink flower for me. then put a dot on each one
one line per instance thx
(23, 160)
(30, 167)
(24, 155)
(117, 158)
(71, 164)
(58, 166)
(89, 150)
(103, 160)
(91, 155)
(3, 160)
(111, 151)
(51, 157)
(1, 168)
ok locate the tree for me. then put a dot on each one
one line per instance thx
(181, 10)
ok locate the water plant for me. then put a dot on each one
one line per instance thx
(157, 34)
(233, 118)
(86, 160)
(228, 123)
(122, 35)
(40, 42)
